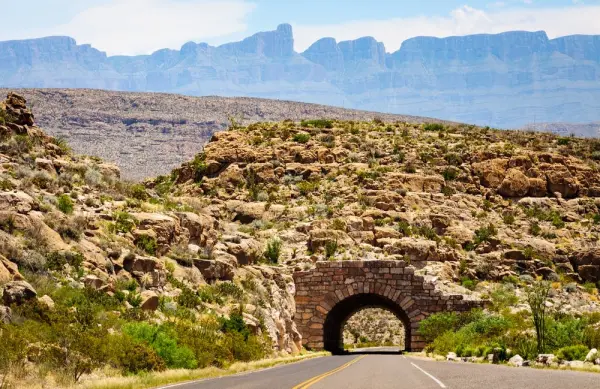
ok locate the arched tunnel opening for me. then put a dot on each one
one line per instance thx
(338, 316)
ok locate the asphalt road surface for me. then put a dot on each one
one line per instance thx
(386, 370)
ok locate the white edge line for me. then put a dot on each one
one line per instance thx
(243, 373)
(440, 383)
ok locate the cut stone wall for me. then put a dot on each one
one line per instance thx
(320, 289)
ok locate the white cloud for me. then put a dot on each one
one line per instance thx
(462, 21)
(143, 26)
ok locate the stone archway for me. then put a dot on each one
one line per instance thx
(329, 294)
(336, 318)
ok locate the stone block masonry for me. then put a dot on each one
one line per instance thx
(329, 294)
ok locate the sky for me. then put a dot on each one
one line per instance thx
(130, 27)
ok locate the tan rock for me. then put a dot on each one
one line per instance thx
(17, 292)
(515, 184)
(491, 172)
(149, 300)
(20, 202)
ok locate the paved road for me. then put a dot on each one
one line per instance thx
(384, 370)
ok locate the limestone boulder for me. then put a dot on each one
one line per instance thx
(149, 300)
(17, 292)
(246, 250)
(514, 184)
(215, 269)
(201, 228)
(16, 201)
(491, 172)
(561, 181)
(168, 229)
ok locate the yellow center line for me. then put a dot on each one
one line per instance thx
(308, 383)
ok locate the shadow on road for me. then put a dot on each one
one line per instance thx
(374, 351)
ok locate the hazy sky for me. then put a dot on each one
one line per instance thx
(142, 26)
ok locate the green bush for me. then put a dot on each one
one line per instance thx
(572, 353)
(331, 247)
(138, 192)
(433, 127)
(188, 298)
(484, 234)
(199, 165)
(65, 204)
(57, 260)
(164, 342)
(317, 123)
(123, 222)
(134, 357)
(301, 137)
(273, 250)
(147, 243)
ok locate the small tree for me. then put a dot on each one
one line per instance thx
(536, 297)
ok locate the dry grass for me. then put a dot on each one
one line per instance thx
(175, 376)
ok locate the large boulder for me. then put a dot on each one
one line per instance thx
(561, 181)
(149, 300)
(515, 184)
(17, 292)
(201, 228)
(20, 202)
(167, 229)
(215, 269)
(491, 172)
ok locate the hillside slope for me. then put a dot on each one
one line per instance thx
(101, 277)
(147, 134)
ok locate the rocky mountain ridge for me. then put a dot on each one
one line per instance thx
(465, 79)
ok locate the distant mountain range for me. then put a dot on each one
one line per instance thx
(505, 80)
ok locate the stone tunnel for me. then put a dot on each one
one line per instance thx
(328, 295)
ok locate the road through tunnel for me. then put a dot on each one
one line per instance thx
(337, 318)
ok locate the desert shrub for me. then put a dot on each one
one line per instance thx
(433, 127)
(453, 159)
(57, 260)
(123, 222)
(188, 298)
(65, 204)
(508, 218)
(147, 243)
(317, 123)
(484, 234)
(138, 192)
(273, 250)
(134, 357)
(306, 187)
(503, 296)
(301, 137)
(450, 174)
(235, 324)
(331, 248)
(164, 341)
(439, 323)
(199, 165)
(572, 353)
(229, 289)
(426, 232)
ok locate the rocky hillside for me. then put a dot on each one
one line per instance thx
(374, 327)
(147, 134)
(193, 268)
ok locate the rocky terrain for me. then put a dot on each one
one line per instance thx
(503, 80)
(210, 248)
(152, 133)
(374, 327)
